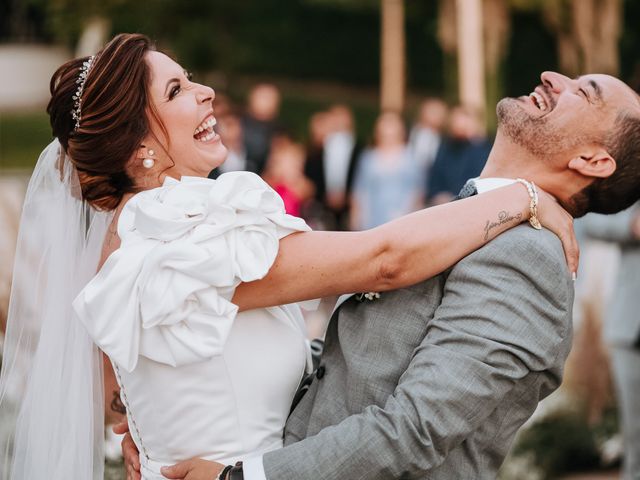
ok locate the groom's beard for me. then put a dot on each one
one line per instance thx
(535, 134)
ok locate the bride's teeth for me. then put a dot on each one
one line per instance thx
(207, 137)
(205, 125)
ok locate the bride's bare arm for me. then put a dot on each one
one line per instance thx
(399, 253)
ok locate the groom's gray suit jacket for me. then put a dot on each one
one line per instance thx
(434, 380)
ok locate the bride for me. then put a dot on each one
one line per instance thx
(193, 299)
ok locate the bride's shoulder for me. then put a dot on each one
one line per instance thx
(176, 207)
(225, 187)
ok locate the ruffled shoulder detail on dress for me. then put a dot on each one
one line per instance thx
(166, 292)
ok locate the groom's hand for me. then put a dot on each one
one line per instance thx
(194, 469)
(129, 451)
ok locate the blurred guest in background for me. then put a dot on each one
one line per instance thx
(285, 173)
(622, 324)
(259, 124)
(461, 156)
(222, 105)
(426, 134)
(333, 168)
(316, 214)
(229, 127)
(388, 182)
(319, 124)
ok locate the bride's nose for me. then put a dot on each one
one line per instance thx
(206, 94)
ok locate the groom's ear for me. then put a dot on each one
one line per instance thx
(593, 162)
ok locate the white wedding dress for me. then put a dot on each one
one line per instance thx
(197, 378)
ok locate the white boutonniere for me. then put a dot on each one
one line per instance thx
(371, 296)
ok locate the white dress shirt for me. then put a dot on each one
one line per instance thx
(337, 157)
(487, 184)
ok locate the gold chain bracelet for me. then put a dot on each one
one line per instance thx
(533, 203)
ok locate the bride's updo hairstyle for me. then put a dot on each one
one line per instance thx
(114, 121)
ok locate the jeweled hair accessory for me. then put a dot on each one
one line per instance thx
(76, 113)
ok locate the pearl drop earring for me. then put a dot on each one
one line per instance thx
(149, 162)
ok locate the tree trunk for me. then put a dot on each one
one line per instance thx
(471, 80)
(393, 78)
(497, 30)
(449, 44)
(587, 32)
(95, 34)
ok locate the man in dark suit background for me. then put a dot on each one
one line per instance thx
(331, 163)
(462, 155)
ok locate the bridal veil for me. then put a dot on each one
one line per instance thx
(51, 394)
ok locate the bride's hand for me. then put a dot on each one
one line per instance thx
(555, 218)
(194, 469)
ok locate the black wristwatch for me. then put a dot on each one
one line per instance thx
(236, 473)
(223, 473)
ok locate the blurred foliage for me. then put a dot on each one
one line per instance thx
(22, 138)
(66, 18)
(321, 39)
(563, 442)
(332, 40)
(348, 4)
(527, 5)
(630, 45)
(524, 61)
(23, 20)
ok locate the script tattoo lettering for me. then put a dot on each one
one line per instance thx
(503, 217)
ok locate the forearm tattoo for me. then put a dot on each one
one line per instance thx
(504, 217)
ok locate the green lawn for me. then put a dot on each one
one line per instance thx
(22, 137)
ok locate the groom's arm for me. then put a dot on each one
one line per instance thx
(505, 313)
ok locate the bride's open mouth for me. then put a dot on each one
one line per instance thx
(205, 132)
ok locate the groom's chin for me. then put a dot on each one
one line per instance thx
(505, 110)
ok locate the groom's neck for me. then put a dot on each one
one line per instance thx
(509, 161)
(505, 162)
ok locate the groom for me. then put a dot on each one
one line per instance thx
(433, 381)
